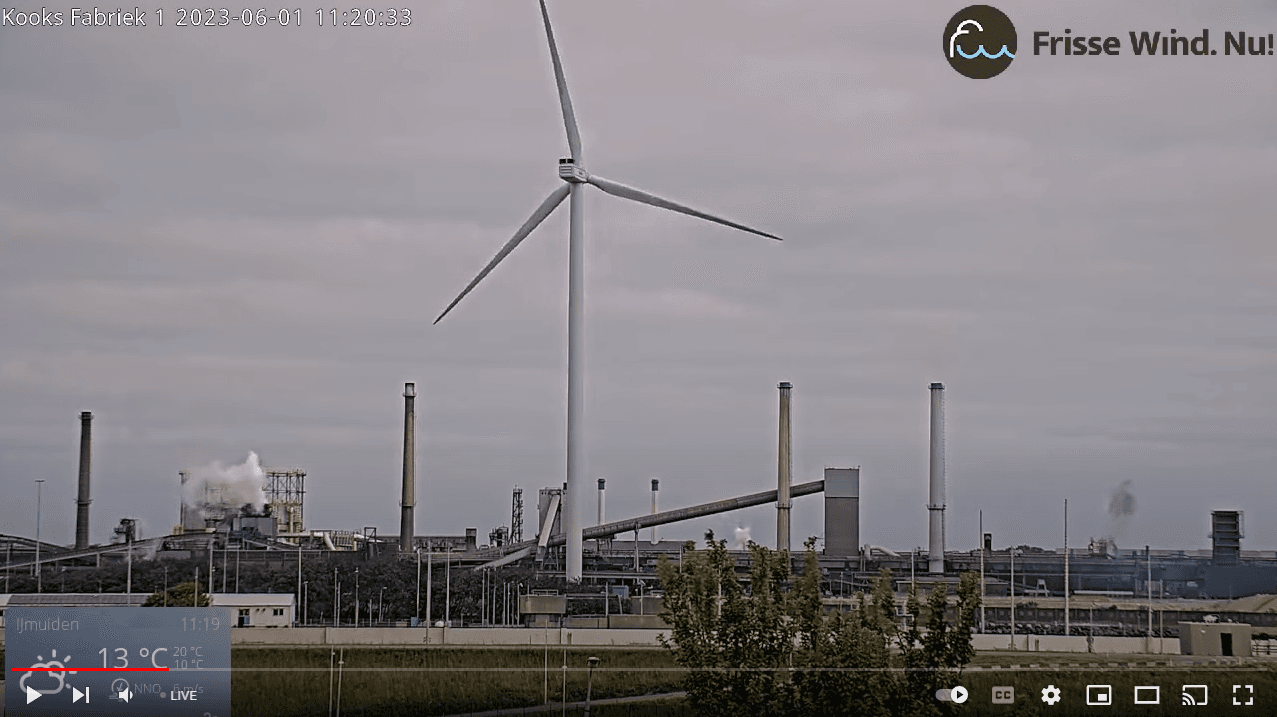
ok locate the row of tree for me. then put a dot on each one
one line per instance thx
(769, 647)
(388, 581)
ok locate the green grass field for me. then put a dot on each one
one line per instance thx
(432, 681)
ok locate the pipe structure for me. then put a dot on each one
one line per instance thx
(656, 487)
(602, 482)
(696, 511)
(784, 468)
(82, 502)
(935, 542)
(407, 525)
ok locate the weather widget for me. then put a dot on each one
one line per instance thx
(106, 661)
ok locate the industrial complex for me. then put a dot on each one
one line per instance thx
(216, 521)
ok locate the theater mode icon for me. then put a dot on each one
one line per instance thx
(1148, 695)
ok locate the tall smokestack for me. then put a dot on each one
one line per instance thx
(601, 483)
(82, 502)
(406, 525)
(935, 542)
(656, 487)
(784, 467)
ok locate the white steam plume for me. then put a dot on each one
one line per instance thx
(226, 486)
(742, 537)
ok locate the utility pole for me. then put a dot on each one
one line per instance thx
(418, 586)
(447, 599)
(1148, 559)
(981, 546)
(430, 562)
(39, 574)
(1066, 567)
(1013, 598)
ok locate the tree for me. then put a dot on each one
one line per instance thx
(181, 595)
(771, 649)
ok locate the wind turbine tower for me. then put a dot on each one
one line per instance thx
(572, 172)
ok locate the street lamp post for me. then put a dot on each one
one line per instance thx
(39, 489)
(447, 597)
(381, 606)
(981, 547)
(418, 585)
(1012, 598)
(305, 602)
(356, 597)
(165, 586)
(589, 685)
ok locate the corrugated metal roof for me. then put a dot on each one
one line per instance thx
(75, 599)
(251, 599)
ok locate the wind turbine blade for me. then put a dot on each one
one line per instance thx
(620, 190)
(569, 117)
(556, 197)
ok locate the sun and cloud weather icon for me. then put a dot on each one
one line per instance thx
(44, 681)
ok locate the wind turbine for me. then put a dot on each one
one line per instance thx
(574, 175)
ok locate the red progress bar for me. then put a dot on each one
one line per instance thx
(89, 669)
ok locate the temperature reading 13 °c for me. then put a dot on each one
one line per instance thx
(177, 657)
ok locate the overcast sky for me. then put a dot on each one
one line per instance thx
(225, 239)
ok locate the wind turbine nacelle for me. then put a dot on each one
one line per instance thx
(570, 172)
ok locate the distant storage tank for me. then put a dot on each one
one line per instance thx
(842, 512)
(82, 502)
(935, 506)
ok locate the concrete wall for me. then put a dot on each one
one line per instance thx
(416, 636)
(1077, 643)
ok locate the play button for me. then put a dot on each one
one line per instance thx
(33, 695)
(958, 694)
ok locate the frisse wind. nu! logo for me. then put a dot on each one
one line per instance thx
(979, 42)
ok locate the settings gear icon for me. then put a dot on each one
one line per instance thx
(1051, 695)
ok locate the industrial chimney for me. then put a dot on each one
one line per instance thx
(601, 482)
(785, 465)
(407, 526)
(656, 487)
(935, 506)
(82, 502)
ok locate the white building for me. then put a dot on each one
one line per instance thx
(250, 609)
(259, 609)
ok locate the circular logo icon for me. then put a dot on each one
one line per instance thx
(979, 41)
